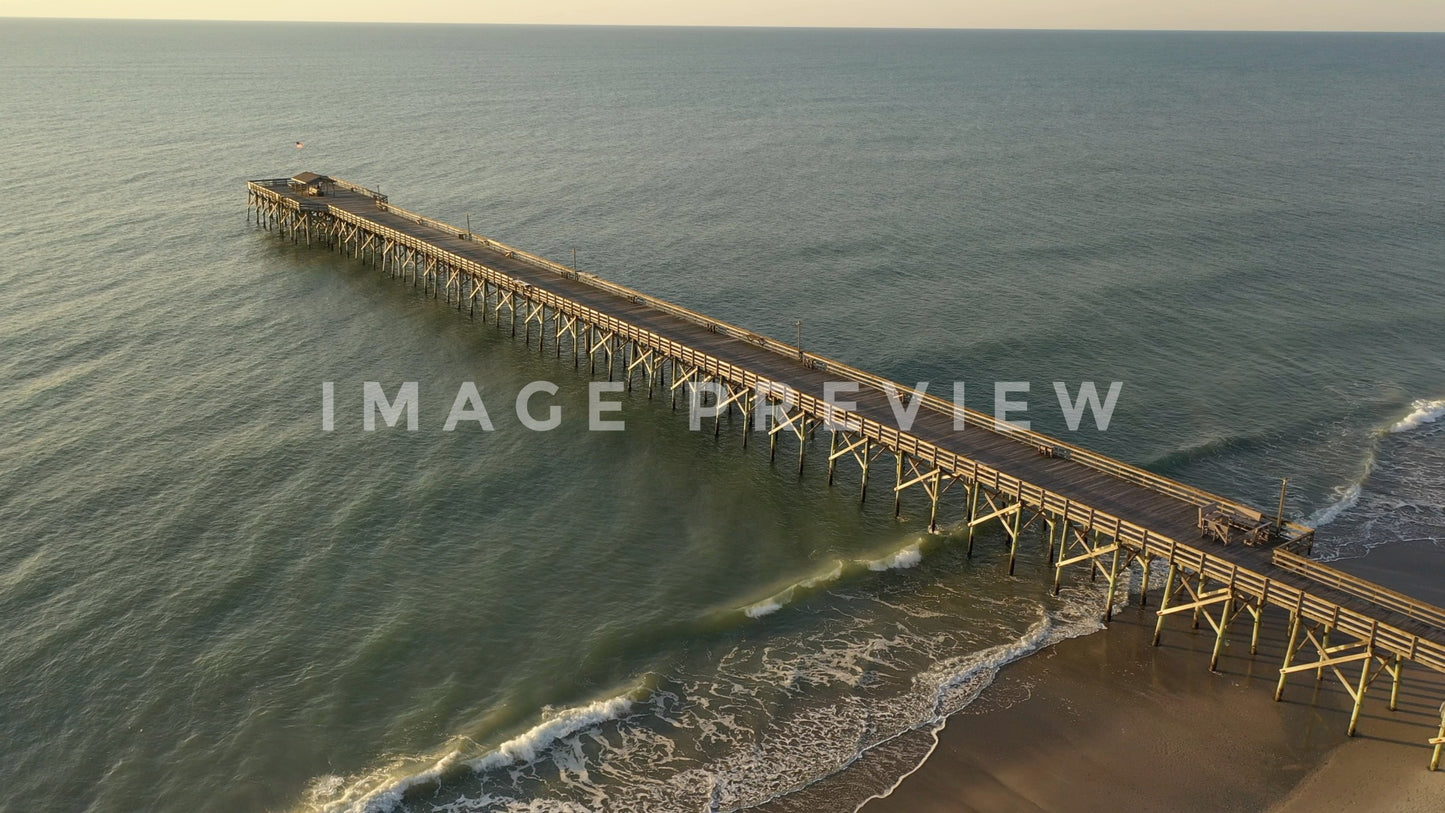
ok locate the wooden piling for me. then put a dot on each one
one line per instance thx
(1438, 742)
(1165, 600)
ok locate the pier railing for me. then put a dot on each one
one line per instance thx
(270, 184)
(1340, 580)
(361, 190)
(1288, 531)
(1282, 594)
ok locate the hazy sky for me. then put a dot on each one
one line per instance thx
(1349, 15)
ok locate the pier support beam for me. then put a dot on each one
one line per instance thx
(804, 425)
(920, 473)
(1082, 545)
(747, 407)
(974, 487)
(796, 423)
(1438, 742)
(898, 484)
(1198, 601)
(1113, 583)
(1164, 600)
(864, 460)
(1333, 657)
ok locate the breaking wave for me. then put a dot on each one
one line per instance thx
(796, 591)
(1424, 412)
(901, 558)
(765, 714)
(905, 557)
(1396, 495)
(1345, 498)
(529, 746)
(381, 792)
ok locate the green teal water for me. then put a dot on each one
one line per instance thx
(210, 603)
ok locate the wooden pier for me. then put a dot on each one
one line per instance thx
(1224, 558)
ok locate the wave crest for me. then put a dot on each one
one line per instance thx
(1423, 412)
(1345, 499)
(522, 749)
(900, 558)
(529, 746)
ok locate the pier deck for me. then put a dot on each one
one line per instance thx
(1097, 511)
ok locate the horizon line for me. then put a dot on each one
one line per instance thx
(733, 27)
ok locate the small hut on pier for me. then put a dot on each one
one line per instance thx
(310, 183)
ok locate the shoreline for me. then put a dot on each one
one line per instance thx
(1104, 719)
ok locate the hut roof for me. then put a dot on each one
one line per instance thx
(311, 179)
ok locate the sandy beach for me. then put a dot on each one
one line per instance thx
(1108, 720)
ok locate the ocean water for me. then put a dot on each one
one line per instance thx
(209, 603)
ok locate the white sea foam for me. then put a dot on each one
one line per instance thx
(964, 679)
(762, 608)
(1345, 499)
(529, 746)
(371, 794)
(324, 787)
(743, 728)
(1423, 412)
(794, 591)
(523, 749)
(1348, 496)
(1396, 498)
(900, 559)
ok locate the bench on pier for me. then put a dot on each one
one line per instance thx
(1229, 524)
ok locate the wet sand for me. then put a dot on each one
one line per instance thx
(1106, 720)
